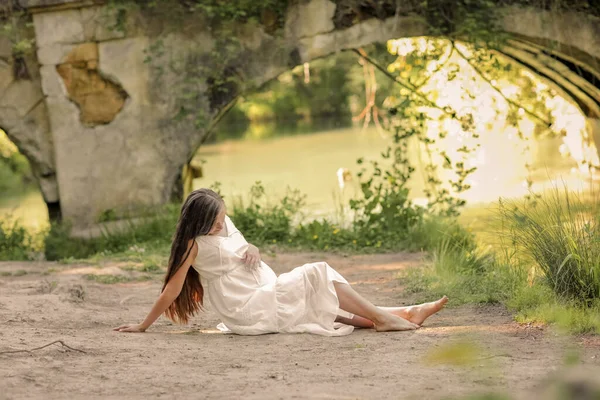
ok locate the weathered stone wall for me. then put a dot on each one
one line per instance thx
(107, 142)
(114, 141)
(565, 30)
(24, 117)
(111, 114)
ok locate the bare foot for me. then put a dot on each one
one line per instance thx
(394, 323)
(418, 314)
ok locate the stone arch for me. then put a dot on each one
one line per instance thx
(561, 47)
(136, 156)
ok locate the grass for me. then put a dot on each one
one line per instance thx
(543, 262)
(560, 235)
(148, 266)
(539, 304)
(151, 233)
(465, 274)
(16, 241)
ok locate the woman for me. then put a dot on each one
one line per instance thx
(209, 252)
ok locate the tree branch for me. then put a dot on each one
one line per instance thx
(489, 82)
(405, 85)
(41, 347)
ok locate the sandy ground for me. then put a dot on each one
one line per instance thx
(459, 352)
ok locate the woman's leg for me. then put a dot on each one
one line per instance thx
(382, 320)
(356, 321)
(416, 314)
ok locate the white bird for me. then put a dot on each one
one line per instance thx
(343, 175)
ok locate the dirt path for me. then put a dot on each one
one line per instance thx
(53, 301)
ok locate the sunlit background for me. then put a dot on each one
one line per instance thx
(310, 162)
(308, 153)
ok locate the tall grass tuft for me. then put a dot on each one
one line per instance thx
(560, 234)
(464, 271)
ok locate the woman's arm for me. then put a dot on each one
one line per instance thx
(168, 295)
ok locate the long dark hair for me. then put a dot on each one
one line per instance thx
(198, 215)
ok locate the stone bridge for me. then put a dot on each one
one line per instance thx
(96, 119)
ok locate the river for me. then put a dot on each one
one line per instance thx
(309, 162)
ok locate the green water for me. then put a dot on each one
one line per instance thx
(305, 162)
(309, 162)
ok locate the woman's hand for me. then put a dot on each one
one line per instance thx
(252, 256)
(130, 328)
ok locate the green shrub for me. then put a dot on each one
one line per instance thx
(389, 222)
(324, 235)
(15, 172)
(9, 180)
(16, 242)
(59, 245)
(264, 223)
(560, 234)
(155, 230)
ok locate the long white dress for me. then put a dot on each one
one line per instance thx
(254, 301)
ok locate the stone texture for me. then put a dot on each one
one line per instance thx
(377, 31)
(30, 131)
(122, 61)
(317, 46)
(5, 47)
(569, 28)
(83, 52)
(34, 140)
(361, 34)
(98, 23)
(6, 75)
(99, 99)
(24, 116)
(63, 116)
(58, 27)
(52, 84)
(73, 152)
(21, 95)
(310, 19)
(131, 147)
(53, 54)
(45, 3)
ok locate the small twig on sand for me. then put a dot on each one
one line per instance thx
(502, 355)
(41, 347)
